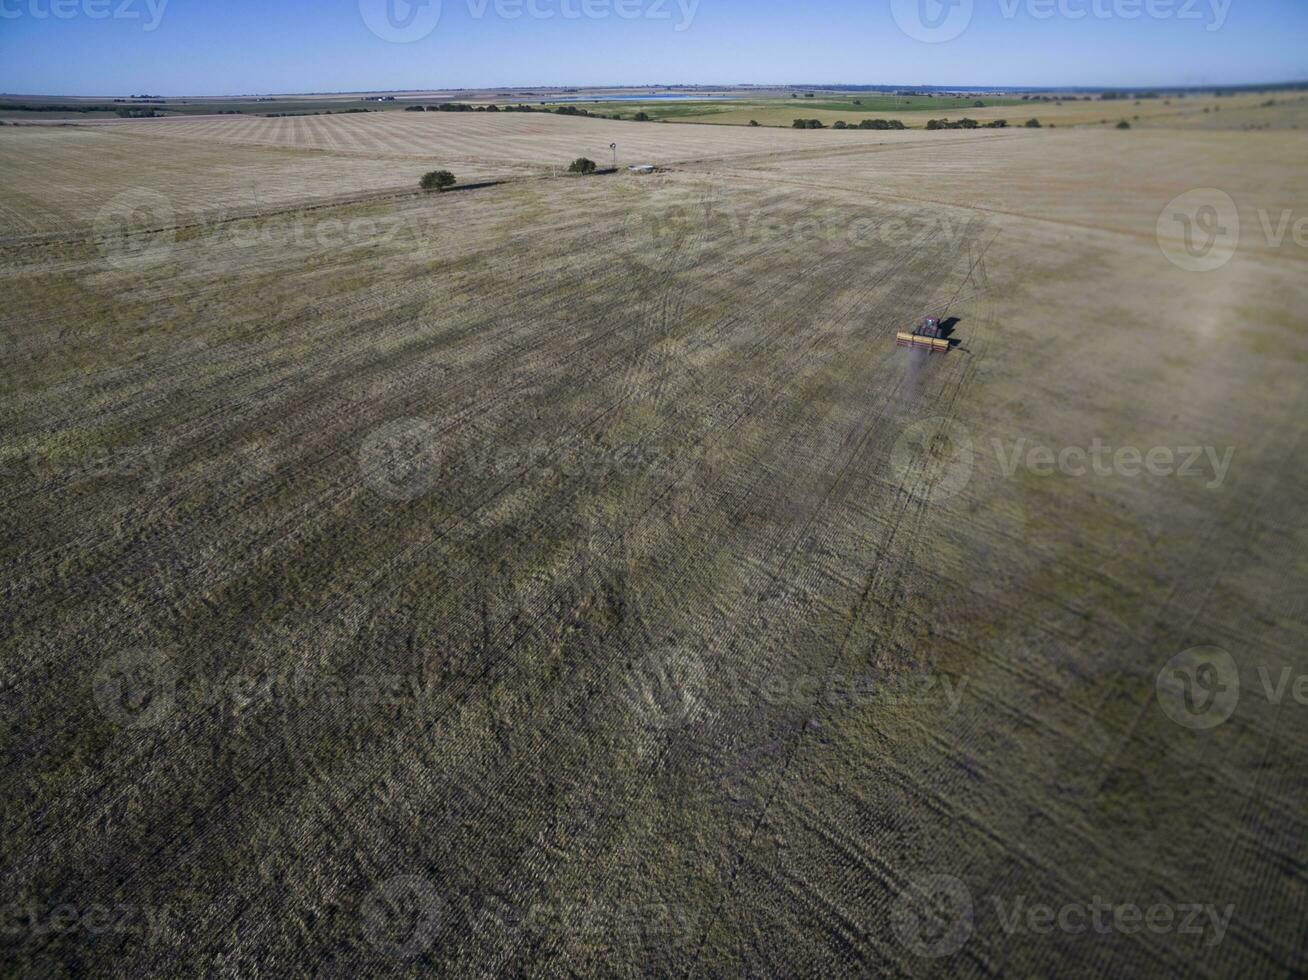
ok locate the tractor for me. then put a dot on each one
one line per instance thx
(928, 335)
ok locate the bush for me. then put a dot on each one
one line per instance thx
(1033, 124)
(581, 165)
(753, 122)
(840, 124)
(437, 180)
(641, 117)
(1124, 125)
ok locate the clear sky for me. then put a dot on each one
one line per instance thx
(217, 47)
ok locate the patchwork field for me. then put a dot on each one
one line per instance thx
(570, 577)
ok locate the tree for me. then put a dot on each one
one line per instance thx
(933, 124)
(581, 165)
(437, 180)
(840, 124)
(753, 122)
(1124, 125)
(642, 117)
(1033, 124)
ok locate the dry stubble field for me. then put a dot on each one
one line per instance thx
(570, 577)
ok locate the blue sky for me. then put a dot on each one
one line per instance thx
(213, 47)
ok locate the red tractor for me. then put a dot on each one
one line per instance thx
(928, 336)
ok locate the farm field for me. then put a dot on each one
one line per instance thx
(220, 166)
(577, 565)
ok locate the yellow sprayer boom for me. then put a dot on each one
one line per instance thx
(928, 336)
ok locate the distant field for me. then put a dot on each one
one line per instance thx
(61, 176)
(857, 105)
(717, 621)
